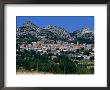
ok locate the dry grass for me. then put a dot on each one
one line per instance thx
(30, 73)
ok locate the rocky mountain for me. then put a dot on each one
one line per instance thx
(60, 32)
(84, 35)
(30, 32)
(28, 28)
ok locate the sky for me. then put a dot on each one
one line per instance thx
(70, 23)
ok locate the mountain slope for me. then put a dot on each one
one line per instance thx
(84, 35)
(30, 32)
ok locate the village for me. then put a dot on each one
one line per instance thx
(83, 51)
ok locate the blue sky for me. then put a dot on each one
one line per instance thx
(70, 23)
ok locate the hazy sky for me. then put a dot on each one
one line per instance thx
(70, 23)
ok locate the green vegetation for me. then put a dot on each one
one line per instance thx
(29, 60)
(28, 38)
